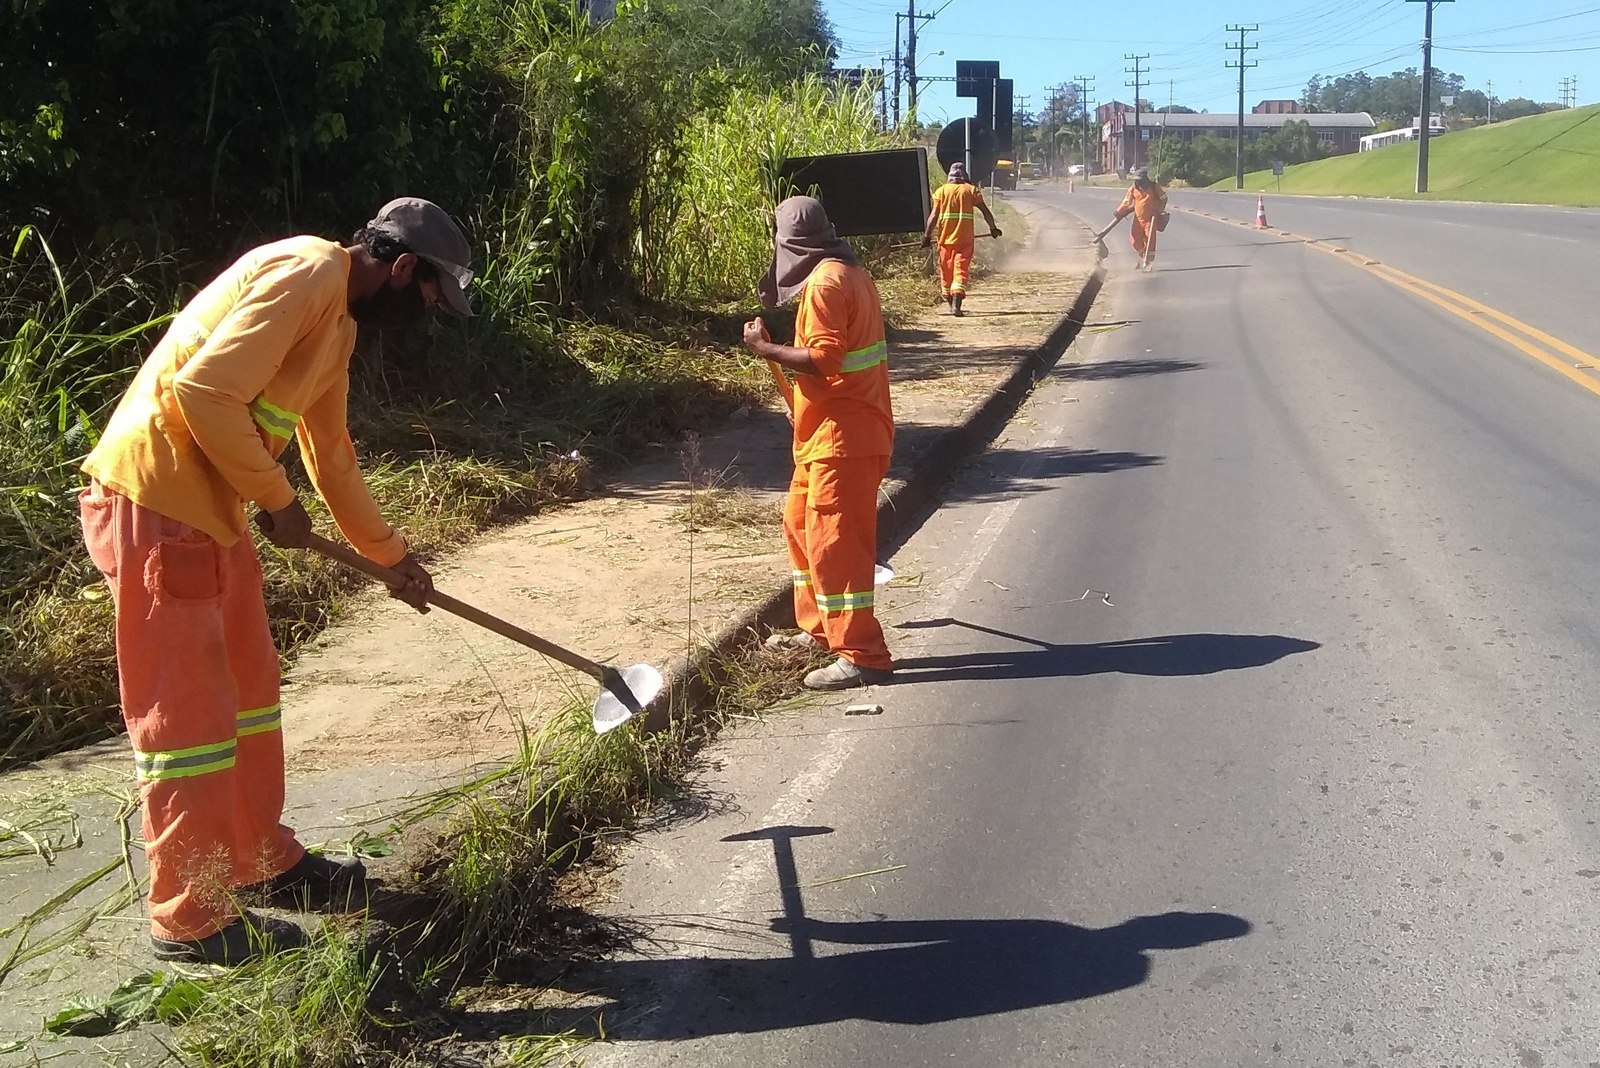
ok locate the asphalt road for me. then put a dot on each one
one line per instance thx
(1246, 711)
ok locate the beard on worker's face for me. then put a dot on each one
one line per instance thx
(391, 308)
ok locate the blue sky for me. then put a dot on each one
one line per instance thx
(1524, 46)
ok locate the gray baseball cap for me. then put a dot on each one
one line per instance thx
(429, 231)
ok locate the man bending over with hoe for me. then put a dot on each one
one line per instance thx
(258, 357)
(843, 435)
(953, 219)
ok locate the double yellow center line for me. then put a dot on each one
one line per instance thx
(1563, 358)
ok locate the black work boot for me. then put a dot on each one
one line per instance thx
(248, 938)
(314, 882)
(955, 306)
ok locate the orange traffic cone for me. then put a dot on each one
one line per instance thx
(1261, 213)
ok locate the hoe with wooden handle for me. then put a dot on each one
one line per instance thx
(625, 692)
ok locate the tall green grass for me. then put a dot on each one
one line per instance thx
(69, 336)
(718, 240)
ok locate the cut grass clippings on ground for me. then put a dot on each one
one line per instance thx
(734, 510)
(62, 920)
(43, 833)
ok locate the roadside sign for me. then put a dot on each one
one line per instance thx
(1277, 172)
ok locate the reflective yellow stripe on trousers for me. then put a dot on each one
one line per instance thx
(184, 763)
(260, 720)
(844, 602)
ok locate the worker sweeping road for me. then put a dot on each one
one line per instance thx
(956, 205)
(259, 357)
(1146, 201)
(843, 436)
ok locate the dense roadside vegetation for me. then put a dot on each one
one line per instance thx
(614, 175)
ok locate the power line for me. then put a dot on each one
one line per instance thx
(1518, 51)
(1495, 30)
(1138, 125)
(1243, 50)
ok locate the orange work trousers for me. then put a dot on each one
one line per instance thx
(199, 679)
(955, 268)
(831, 525)
(1143, 236)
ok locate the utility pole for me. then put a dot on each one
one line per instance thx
(911, 79)
(1490, 95)
(1243, 50)
(883, 94)
(897, 70)
(911, 57)
(1425, 123)
(1084, 89)
(1020, 136)
(1138, 124)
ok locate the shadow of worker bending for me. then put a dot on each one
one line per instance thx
(1164, 654)
(890, 971)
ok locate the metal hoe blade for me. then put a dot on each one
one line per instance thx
(625, 694)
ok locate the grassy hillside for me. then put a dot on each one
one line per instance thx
(1542, 159)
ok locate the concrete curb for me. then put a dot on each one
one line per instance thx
(691, 678)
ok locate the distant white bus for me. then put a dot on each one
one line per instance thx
(1436, 128)
(1383, 140)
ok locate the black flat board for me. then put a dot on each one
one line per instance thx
(864, 192)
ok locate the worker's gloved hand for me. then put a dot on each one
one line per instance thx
(287, 528)
(927, 242)
(994, 231)
(419, 584)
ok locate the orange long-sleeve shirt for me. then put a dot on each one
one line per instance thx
(260, 356)
(845, 410)
(956, 205)
(1144, 204)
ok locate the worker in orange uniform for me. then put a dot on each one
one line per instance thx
(257, 358)
(843, 435)
(1146, 201)
(956, 205)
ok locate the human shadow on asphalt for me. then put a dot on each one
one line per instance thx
(927, 971)
(1161, 655)
(1207, 267)
(1114, 369)
(1002, 474)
